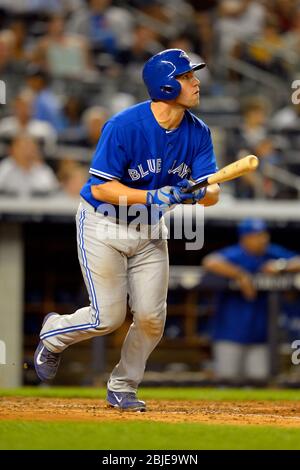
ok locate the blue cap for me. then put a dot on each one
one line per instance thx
(252, 226)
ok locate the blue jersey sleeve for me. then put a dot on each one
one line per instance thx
(277, 251)
(204, 163)
(110, 160)
(231, 253)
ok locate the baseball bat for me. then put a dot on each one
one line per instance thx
(229, 172)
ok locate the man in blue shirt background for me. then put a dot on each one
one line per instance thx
(240, 324)
(46, 106)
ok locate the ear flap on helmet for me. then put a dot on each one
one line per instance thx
(170, 89)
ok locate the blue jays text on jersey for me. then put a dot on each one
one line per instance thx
(135, 150)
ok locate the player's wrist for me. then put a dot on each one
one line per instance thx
(159, 197)
(200, 194)
(149, 198)
(280, 265)
(241, 275)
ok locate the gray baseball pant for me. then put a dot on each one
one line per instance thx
(116, 260)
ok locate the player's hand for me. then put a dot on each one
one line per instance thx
(192, 198)
(166, 196)
(247, 287)
(274, 267)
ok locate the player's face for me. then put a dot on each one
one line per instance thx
(190, 90)
(256, 243)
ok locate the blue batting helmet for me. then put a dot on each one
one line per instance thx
(160, 72)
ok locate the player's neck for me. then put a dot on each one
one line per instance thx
(167, 115)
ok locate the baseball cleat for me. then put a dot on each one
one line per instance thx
(46, 362)
(125, 401)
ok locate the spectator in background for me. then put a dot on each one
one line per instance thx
(285, 11)
(145, 43)
(7, 43)
(71, 175)
(253, 127)
(254, 120)
(24, 173)
(46, 106)
(238, 21)
(19, 50)
(173, 17)
(73, 128)
(266, 50)
(119, 102)
(292, 46)
(108, 28)
(287, 118)
(184, 42)
(93, 120)
(263, 183)
(73, 111)
(9, 69)
(63, 54)
(40, 6)
(241, 322)
(205, 42)
(267, 154)
(21, 122)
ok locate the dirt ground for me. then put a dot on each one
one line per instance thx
(280, 413)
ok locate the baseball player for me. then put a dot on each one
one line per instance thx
(145, 155)
(240, 324)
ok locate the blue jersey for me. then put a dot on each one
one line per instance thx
(238, 319)
(135, 150)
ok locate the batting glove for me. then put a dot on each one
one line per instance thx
(166, 196)
(190, 198)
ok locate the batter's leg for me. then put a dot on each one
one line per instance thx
(105, 274)
(148, 273)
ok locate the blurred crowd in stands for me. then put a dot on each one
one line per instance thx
(68, 65)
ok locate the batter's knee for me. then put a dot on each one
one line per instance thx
(152, 323)
(111, 317)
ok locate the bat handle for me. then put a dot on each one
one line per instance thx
(195, 187)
